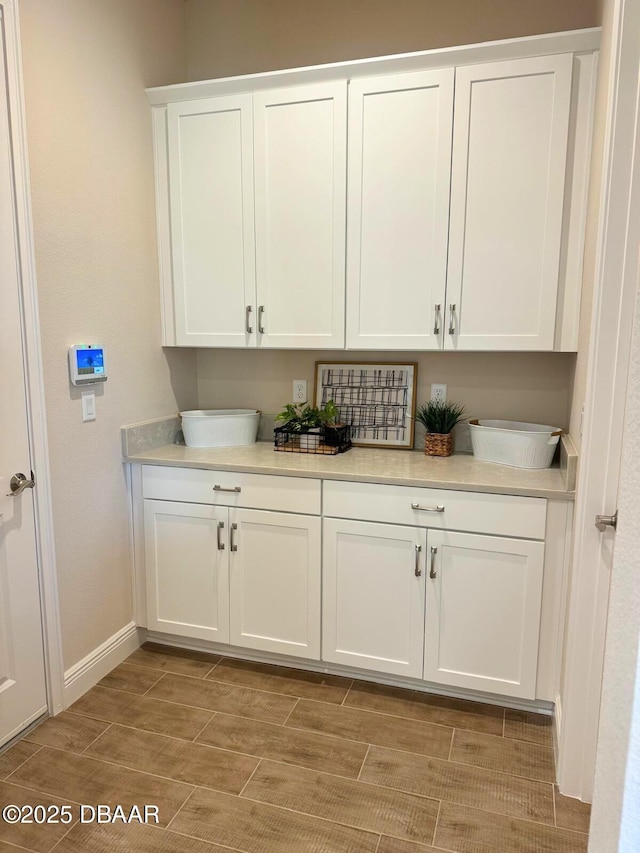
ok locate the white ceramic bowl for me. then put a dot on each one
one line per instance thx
(220, 427)
(514, 443)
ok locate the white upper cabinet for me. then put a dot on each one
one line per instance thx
(300, 173)
(400, 130)
(210, 159)
(384, 204)
(507, 191)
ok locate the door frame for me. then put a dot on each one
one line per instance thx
(578, 705)
(32, 354)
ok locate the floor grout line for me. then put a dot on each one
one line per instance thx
(380, 713)
(453, 734)
(555, 810)
(202, 729)
(435, 825)
(286, 719)
(364, 761)
(83, 751)
(349, 688)
(504, 723)
(33, 754)
(253, 773)
(64, 835)
(186, 800)
(157, 681)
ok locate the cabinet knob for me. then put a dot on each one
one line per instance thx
(436, 321)
(232, 537)
(247, 325)
(219, 533)
(418, 569)
(260, 323)
(432, 570)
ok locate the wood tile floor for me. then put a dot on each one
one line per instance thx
(261, 759)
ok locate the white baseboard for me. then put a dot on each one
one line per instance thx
(557, 727)
(85, 674)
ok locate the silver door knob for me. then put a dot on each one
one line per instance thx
(604, 521)
(18, 483)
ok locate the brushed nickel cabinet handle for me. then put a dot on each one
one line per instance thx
(218, 488)
(232, 537)
(427, 508)
(260, 313)
(432, 570)
(220, 542)
(418, 569)
(436, 321)
(247, 325)
(452, 317)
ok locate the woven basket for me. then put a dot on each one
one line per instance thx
(438, 444)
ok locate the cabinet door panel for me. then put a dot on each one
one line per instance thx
(508, 176)
(400, 130)
(373, 601)
(483, 613)
(275, 582)
(187, 575)
(212, 220)
(300, 163)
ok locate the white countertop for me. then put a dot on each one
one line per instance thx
(368, 465)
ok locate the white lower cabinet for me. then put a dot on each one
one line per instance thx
(187, 569)
(243, 576)
(373, 596)
(453, 608)
(275, 582)
(483, 612)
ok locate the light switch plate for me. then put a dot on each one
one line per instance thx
(88, 407)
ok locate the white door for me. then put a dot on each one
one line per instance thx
(22, 675)
(275, 582)
(508, 174)
(212, 220)
(603, 593)
(483, 612)
(400, 130)
(186, 547)
(373, 596)
(300, 174)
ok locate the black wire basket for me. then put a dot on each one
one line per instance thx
(324, 440)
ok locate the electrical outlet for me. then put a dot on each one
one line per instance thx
(299, 390)
(439, 392)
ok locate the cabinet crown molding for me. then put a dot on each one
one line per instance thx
(571, 41)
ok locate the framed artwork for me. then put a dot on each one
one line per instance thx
(377, 400)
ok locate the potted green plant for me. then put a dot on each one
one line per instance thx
(310, 426)
(439, 419)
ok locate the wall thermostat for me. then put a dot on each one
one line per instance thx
(87, 364)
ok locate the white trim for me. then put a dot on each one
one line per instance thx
(609, 354)
(85, 674)
(34, 367)
(573, 41)
(538, 706)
